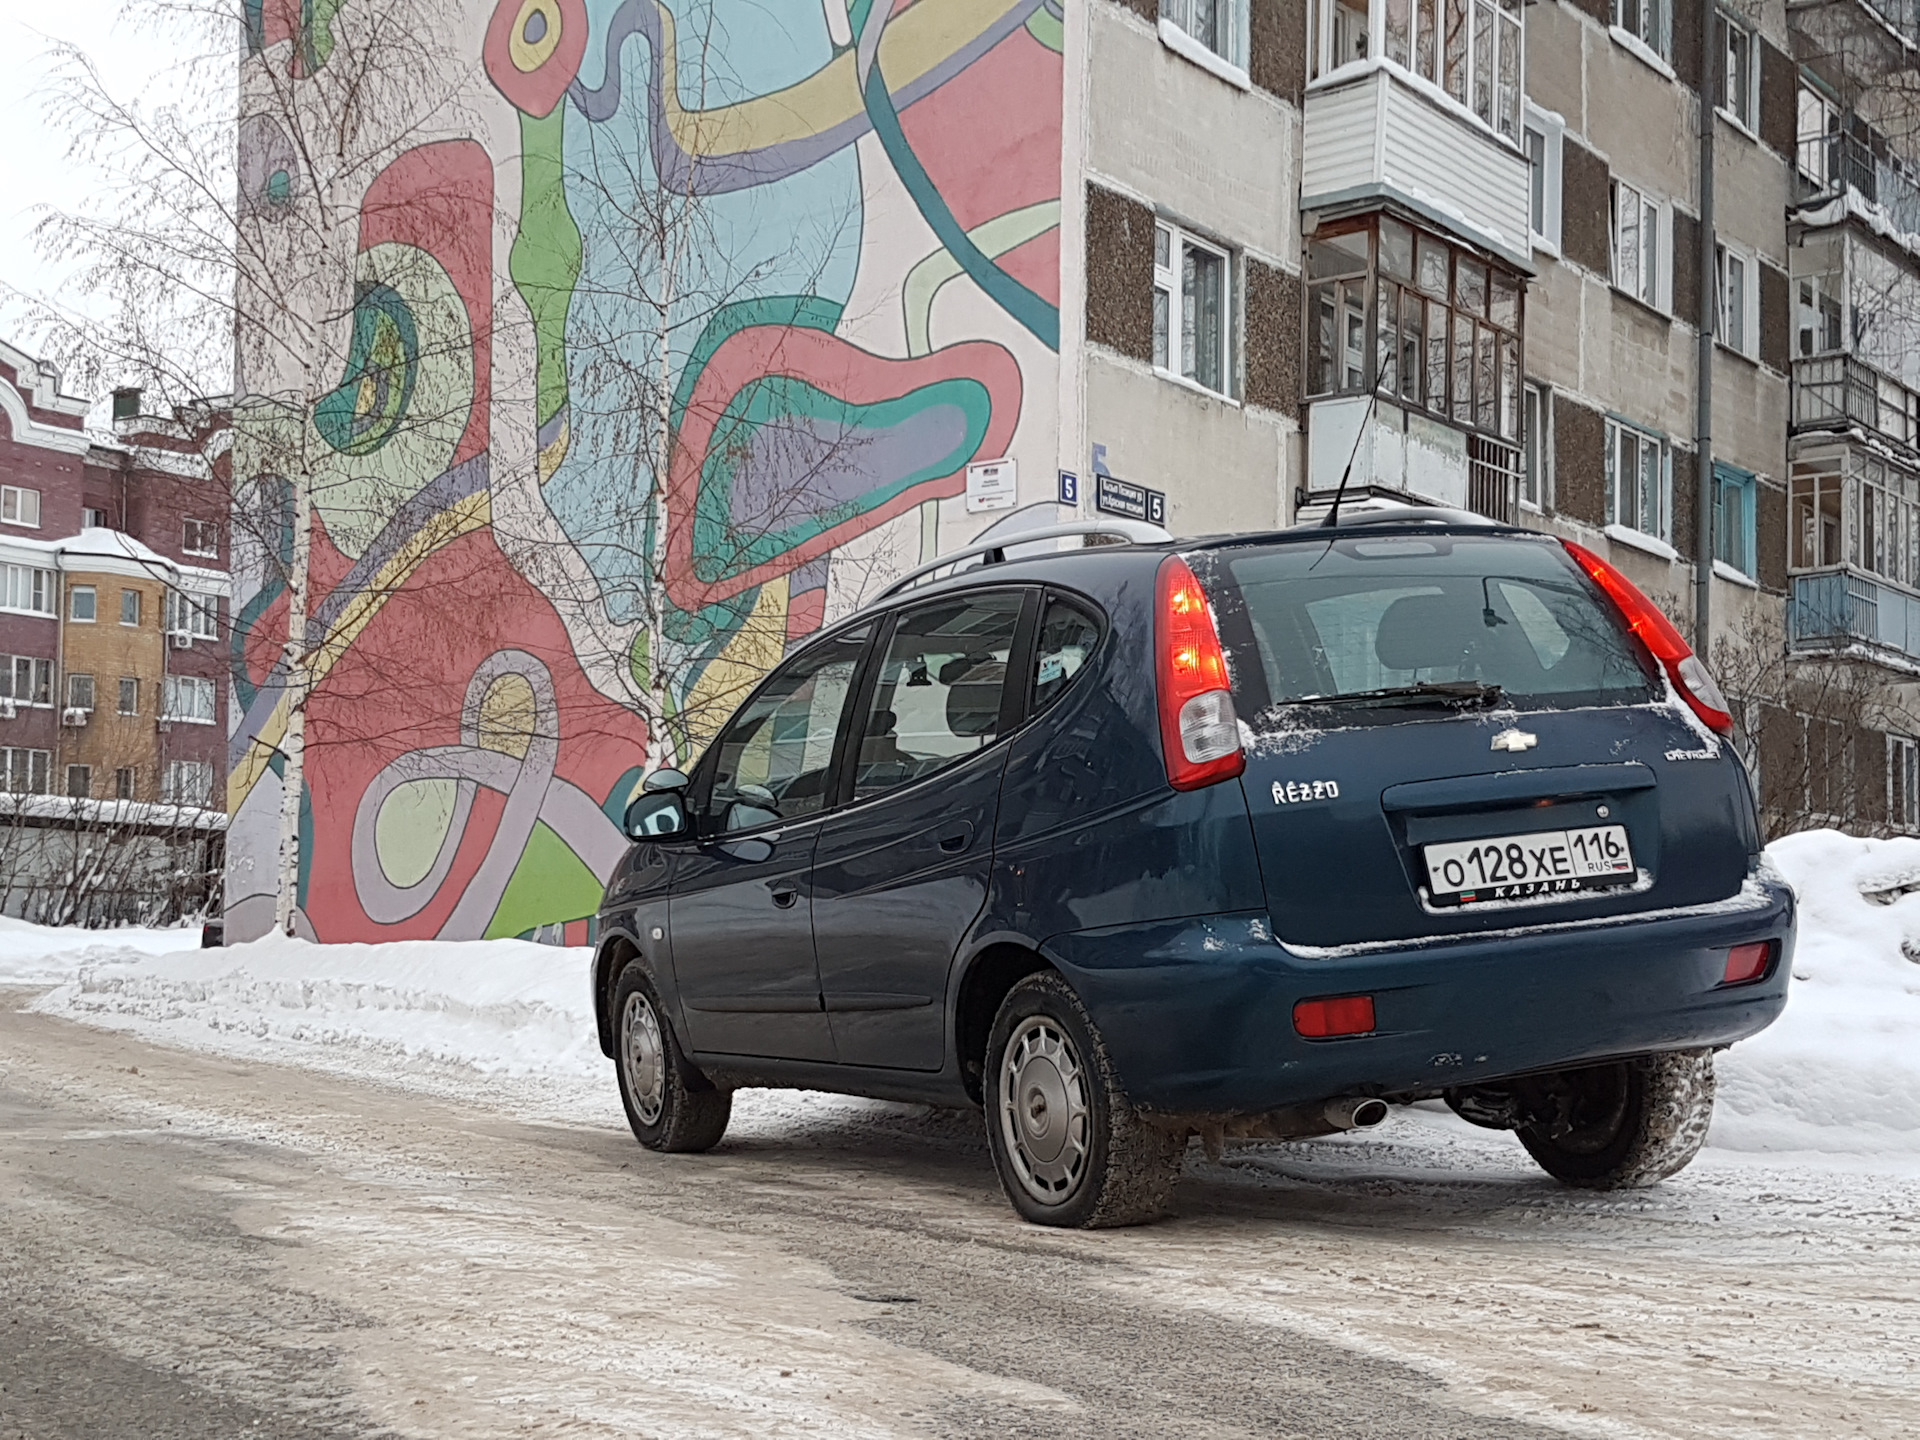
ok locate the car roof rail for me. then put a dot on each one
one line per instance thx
(993, 551)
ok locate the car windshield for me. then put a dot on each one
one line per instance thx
(1367, 621)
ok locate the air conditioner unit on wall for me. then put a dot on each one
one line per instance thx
(73, 715)
(9, 710)
(182, 640)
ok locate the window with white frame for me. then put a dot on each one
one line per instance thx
(1191, 308)
(188, 697)
(1218, 25)
(1739, 72)
(1536, 439)
(26, 680)
(1471, 49)
(187, 782)
(20, 506)
(1639, 244)
(126, 782)
(79, 692)
(1818, 136)
(92, 519)
(1639, 480)
(24, 772)
(129, 607)
(195, 616)
(22, 587)
(83, 604)
(1648, 21)
(129, 695)
(1903, 782)
(1542, 140)
(1737, 298)
(1817, 315)
(200, 537)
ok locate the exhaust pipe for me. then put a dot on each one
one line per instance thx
(1355, 1112)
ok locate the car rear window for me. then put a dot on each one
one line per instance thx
(1370, 613)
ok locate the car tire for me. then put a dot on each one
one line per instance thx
(671, 1106)
(1071, 1150)
(1621, 1125)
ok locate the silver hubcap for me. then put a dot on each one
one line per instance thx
(1044, 1110)
(644, 1059)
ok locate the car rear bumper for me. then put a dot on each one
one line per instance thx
(1197, 1013)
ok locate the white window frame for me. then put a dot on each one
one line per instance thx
(172, 790)
(75, 679)
(74, 592)
(1646, 25)
(1653, 272)
(1423, 60)
(1180, 22)
(39, 674)
(129, 684)
(126, 782)
(1169, 362)
(28, 761)
(1810, 316)
(1739, 302)
(1536, 446)
(1903, 781)
(124, 594)
(20, 505)
(177, 689)
(209, 533)
(1739, 87)
(92, 518)
(27, 590)
(1619, 512)
(1551, 131)
(1817, 126)
(195, 616)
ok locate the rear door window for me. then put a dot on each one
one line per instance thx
(1337, 620)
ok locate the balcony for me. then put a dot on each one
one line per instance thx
(1372, 132)
(1871, 37)
(1836, 609)
(1838, 392)
(1849, 161)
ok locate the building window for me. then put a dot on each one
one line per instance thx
(194, 616)
(1543, 136)
(187, 782)
(80, 692)
(79, 781)
(1471, 49)
(1638, 249)
(1639, 480)
(26, 680)
(1903, 782)
(1733, 518)
(1817, 317)
(1432, 326)
(1816, 520)
(1886, 522)
(25, 772)
(1191, 306)
(1737, 291)
(129, 695)
(125, 782)
(1819, 139)
(20, 506)
(1648, 21)
(1739, 74)
(22, 587)
(129, 607)
(188, 697)
(1536, 431)
(1218, 25)
(82, 603)
(92, 519)
(202, 537)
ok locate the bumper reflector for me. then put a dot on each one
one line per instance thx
(1747, 962)
(1324, 1018)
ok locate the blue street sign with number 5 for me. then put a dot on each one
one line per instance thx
(1069, 488)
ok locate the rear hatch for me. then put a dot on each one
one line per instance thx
(1452, 732)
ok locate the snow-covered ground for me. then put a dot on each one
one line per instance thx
(1835, 1082)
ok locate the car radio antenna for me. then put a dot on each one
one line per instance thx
(1333, 511)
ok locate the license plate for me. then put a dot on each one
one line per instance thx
(1526, 867)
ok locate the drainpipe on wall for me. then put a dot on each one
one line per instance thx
(1710, 59)
(59, 683)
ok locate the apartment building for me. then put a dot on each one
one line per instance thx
(113, 590)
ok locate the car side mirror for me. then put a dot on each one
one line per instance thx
(665, 778)
(658, 815)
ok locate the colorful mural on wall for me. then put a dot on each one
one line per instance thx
(691, 345)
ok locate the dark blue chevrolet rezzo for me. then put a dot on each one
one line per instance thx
(1248, 837)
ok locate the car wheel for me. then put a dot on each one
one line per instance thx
(670, 1104)
(1621, 1125)
(1069, 1147)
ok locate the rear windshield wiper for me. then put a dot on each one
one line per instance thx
(1421, 692)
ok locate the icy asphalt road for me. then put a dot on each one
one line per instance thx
(212, 1247)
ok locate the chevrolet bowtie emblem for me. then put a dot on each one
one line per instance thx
(1515, 740)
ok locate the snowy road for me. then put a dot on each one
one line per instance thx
(225, 1246)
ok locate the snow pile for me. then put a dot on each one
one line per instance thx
(502, 1007)
(42, 954)
(1839, 1072)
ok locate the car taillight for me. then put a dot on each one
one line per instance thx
(1746, 963)
(1334, 1015)
(1198, 729)
(1652, 628)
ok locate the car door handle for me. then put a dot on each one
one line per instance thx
(785, 898)
(956, 838)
